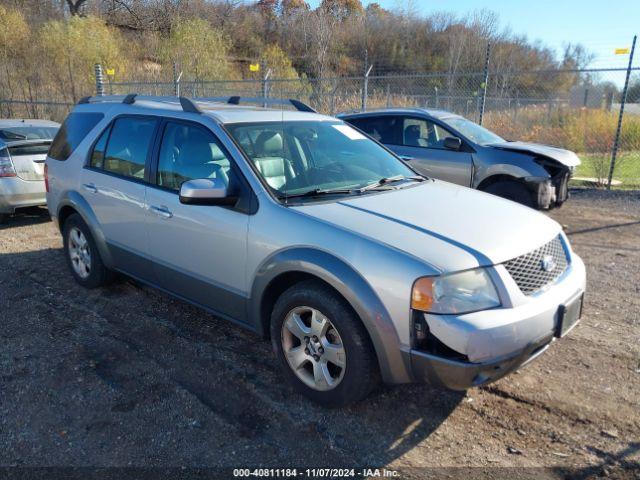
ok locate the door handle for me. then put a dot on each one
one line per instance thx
(406, 158)
(161, 211)
(90, 187)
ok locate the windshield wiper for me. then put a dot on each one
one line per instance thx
(316, 192)
(386, 180)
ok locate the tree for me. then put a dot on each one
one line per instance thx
(342, 9)
(72, 47)
(76, 6)
(201, 50)
(279, 63)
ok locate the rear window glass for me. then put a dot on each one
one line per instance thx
(31, 149)
(73, 130)
(28, 133)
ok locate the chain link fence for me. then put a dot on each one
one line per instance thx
(574, 109)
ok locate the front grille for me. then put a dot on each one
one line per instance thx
(529, 270)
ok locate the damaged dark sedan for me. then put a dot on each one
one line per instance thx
(449, 147)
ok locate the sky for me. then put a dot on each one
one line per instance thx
(600, 25)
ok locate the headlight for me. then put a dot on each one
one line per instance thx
(458, 293)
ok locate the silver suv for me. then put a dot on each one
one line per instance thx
(300, 228)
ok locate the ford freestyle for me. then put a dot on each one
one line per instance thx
(299, 227)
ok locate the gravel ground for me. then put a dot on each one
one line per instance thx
(127, 376)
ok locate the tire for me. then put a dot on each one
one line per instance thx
(512, 190)
(3, 218)
(344, 332)
(79, 253)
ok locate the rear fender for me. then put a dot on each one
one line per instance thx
(78, 203)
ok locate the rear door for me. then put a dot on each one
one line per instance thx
(28, 158)
(113, 182)
(422, 144)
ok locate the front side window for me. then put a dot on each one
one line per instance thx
(128, 146)
(294, 158)
(190, 152)
(74, 129)
(418, 132)
(384, 128)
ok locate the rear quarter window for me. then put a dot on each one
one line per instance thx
(74, 129)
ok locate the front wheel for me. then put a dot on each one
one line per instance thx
(512, 190)
(323, 348)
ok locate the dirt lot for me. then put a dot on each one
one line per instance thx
(127, 376)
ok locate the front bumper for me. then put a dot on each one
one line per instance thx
(498, 341)
(458, 375)
(17, 193)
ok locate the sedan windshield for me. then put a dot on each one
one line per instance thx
(473, 131)
(28, 133)
(318, 158)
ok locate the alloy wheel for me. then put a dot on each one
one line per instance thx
(313, 348)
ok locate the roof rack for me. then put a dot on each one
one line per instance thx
(190, 105)
(236, 99)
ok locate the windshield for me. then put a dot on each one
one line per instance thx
(301, 157)
(473, 131)
(28, 133)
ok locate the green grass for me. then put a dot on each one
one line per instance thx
(596, 165)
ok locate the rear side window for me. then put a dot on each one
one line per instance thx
(73, 130)
(128, 146)
(97, 156)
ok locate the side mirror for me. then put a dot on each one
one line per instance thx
(206, 191)
(452, 143)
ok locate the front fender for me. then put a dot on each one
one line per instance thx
(506, 163)
(76, 201)
(352, 286)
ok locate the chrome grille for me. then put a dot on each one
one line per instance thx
(529, 270)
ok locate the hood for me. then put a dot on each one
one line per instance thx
(565, 157)
(451, 228)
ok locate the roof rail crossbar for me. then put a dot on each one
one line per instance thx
(237, 99)
(130, 99)
(189, 106)
(84, 100)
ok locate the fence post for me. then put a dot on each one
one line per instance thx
(99, 80)
(365, 89)
(265, 86)
(484, 83)
(623, 100)
(176, 80)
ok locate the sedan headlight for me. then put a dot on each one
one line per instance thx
(456, 293)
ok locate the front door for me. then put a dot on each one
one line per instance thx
(199, 252)
(422, 146)
(113, 185)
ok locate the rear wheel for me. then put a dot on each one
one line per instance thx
(3, 218)
(512, 190)
(323, 348)
(82, 254)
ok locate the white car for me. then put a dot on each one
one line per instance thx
(23, 150)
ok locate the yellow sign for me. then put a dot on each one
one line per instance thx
(622, 51)
(254, 67)
(111, 71)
